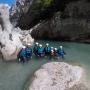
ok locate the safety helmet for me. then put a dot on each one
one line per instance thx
(23, 47)
(55, 48)
(47, 44)
(36, 43)
(61, 47)
(51, 47)
(29, 44)
(52, 51)
(40, 45)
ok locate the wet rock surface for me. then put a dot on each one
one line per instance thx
(57, 76)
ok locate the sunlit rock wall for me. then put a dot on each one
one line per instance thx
(11, 39)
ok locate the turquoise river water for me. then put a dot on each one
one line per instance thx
(14, 75)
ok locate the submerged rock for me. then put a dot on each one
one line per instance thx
(11, 39)
(56, 76)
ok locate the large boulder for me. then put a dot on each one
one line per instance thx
(11, 39)
(56, 76)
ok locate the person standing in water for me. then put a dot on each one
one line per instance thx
(51, 52)
(55, 52)
(40, 51)
(61, 52)
(28, 51)
(47, 50)
(22, 55)
(35, 49)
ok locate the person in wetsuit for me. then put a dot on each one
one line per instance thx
(51, 53)
(47, 50)
(22, 55)
(40, 51)
(55, 52)
(61, 52)
(28, 51)
(35, 49)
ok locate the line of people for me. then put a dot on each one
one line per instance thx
(26, 52)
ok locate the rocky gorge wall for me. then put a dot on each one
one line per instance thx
(59, 20)
(11, 39)
(63, 30)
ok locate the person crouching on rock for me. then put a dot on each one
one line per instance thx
(61, 52)
(22, 55)
(35, 49)
(40, 51)
(47, 50)
(28, 51)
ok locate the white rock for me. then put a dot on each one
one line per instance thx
(56, 76)
(11, 39)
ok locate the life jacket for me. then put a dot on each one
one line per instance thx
(28, 50)
(35, 49)
(52, 53)
(47, 49)
(40, 50)
(61, 52)
(55, 52)
(22, 53)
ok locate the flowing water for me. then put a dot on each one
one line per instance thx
(14, 75)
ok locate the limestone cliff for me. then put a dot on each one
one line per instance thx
(11, 39)
(71, 24)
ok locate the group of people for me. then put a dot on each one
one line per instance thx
(27, 51)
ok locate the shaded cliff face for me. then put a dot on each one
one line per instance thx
(27, 13)
(65, 30)
(71, 23)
